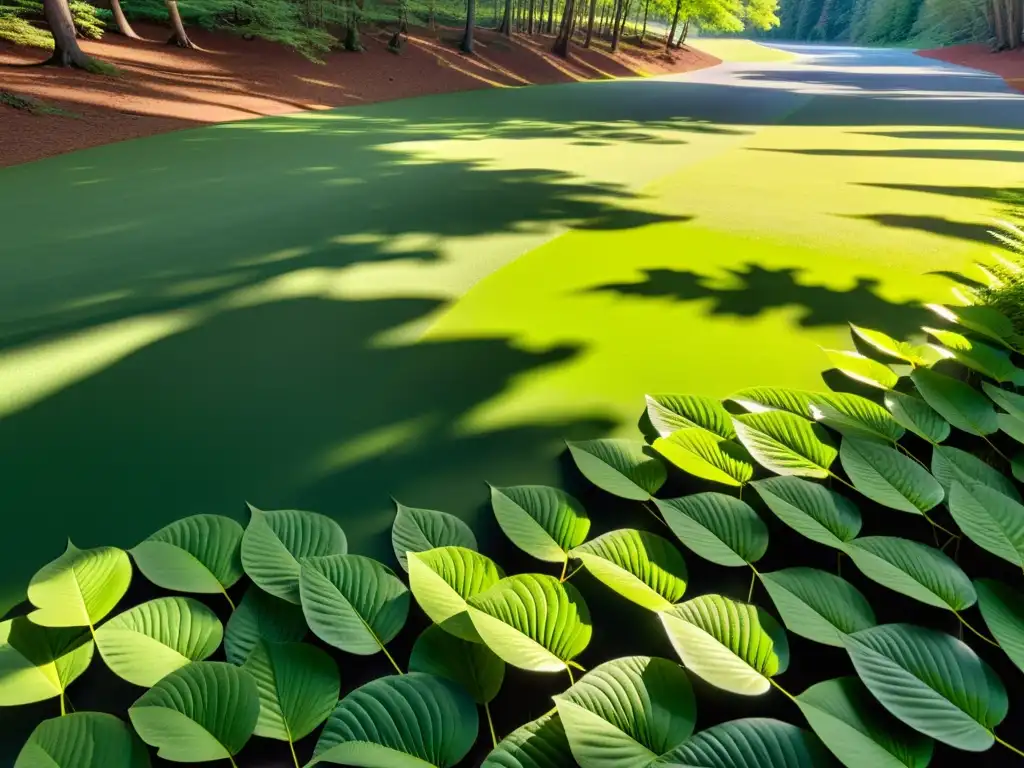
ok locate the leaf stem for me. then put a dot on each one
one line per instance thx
(63, 708)
(783, 690)
(228, 598)
(572, 680)
(565, 567)
(654, 512)
(390, 658)
(908, 454)
(944, 530)
(232, 761)
(291, 746)
(994, 448)
(964, 621)
(575, 570)
(834, 476)
(753, 579)
(1008, 746)
(490, 725)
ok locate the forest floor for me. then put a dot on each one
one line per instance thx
(1009, 65)
(163, 88)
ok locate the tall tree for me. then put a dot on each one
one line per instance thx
(467, 38)
(565, 29)
(590, 23)
(66, 51)
(179, 37)
(123, 27)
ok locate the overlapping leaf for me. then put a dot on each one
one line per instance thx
(957, 402)
(544, 522)
(38, 663)
(669, 413)
(811, 509)
(856, 416)
(980, 319)
(991, 520)
(642, 567)
(80, 587)
(986, 360)
(916, 415)
(818, 605)
(1011, 426)
(786, 443)
(541, 743)
(717, 527)
(621, 467)
(709, 457)
(1003, 611)
(754, 742)
(885, 475)
(1010, 402)
(261, 617)
(951, 465)
(888, 345)
(418, 530)
(761, 399)
(83, 740)
(472, 666)
(443, 579)
(200, 554)
(862, 369)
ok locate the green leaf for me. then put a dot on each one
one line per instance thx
(276, 542)
(979, 357)
(707, 456)
(951, 465)
(621, 467)
(627, 712)
(80, 587)
(786, 443)
(205, 711)
(991, 520)
(543, 522)
(818, 605)
(980, 319)
(1017, 466)
(931, 681)
(298, 688)
(83, 740)
(261, 617)
(855, 416)
(38, 663)
(670, 413)
(199, 554)
(913, 569)
(152, 640)
(402, 721)
(1011, 426)
(472, 666)
(734, 646)
(717, 527)
(890, 346)
(640, 566)
(917, 416)
(762, 399)
(862, 369)
(353, 602)
(857, 730)
(1010, 402)
(443, 579)
(418, 530)
(541, 743)
(532, 621)
(956, 402)
(1003, 611)
(755, 742)
(811, 509)
(885, 475)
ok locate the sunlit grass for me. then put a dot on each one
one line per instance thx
(728, 49)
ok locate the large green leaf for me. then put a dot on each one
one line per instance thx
(761, 399)
(83, 740)
(862, 369)
(443, 579)
(621, 467)
(753, 742)
(261, 617)
(353, 602)
(276, 542)
(980, 319)
(986, 360)
(818, 605)
(200, 554)
(544, 522)
(734, 646)
(951, 465)
(885, 475)
(402, 721)
(669, 413)
(80, 587)
(627, 712)
(856, 416)
(1011, 426)
(931, 681)
(473, 666)
(890, 346)
(785, 443)
(417, 530)
(913, 569)
(152, 640)
(1003, 611)
(205, 711)
(991, 520)
(640, 566)
(532, 621)
(858, 731)
(956, 402)
(298, 688)
(916, 415)
(39, 663)
(707, 456)
(1010, 402)
(811, 509)
(717, 527)
(541, 743)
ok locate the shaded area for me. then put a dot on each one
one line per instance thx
(995, 155)
(1010, 197)
(934, 224)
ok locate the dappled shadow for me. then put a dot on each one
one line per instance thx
(937, 225)
(947, 135)
(1011, 198)
(995, 155)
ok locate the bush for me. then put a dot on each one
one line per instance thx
(22, 23)
(1005, 290)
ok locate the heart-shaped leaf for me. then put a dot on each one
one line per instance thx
(717, 527)
(298, 688)
(406, 721)
(473, 666)
(38, 663)
(627, 712)
(417, 530)
(1011, 426)
(670, 413)
(83, 740)
(152, 640)
(276, 542)
(957, 402)
(857, 730)
(734, 646)
(353, 602)
(543, 522)
(1003, 611)
(986, 360)
(931, 681)
(890, 346)
(204, 711)
(80, 587)
(951, 465)
(443, 579)
(754, 742)
(862, 369)
(199, 554)
(885, 475)
(761, 399)
(532, 621)
(640, 566)
(980, 319)
(916, 415)
(811, 509)
(991, 520)
(261, 617)
(707, 456)
(786, 443)
(855, 416)
(1010, 402)
(818, 605)
(541, 743)
(621, 467)
(913, 569)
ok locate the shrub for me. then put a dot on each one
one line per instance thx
(1005, 289)
(21, 22)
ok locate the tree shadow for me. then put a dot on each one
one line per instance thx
(1012, 198)
(934, 224)
(994, 155)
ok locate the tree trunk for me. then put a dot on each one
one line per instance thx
(615, 25)
(506, 22)
(625, 15)
(561, 46)
(551, 17)
(180, 37)
(467, 38)
(683, 35)
(66, 51)
(1016, 15)
(590, 23)
(123, 27)
(643, 32)
(675, 23)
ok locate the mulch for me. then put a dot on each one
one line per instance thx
(1009, 65)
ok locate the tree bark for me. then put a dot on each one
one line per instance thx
(643, 32)
(683, 35)
(561, 47)
(551, 16)
(467, 38)
(590, 23)
(123, 27)
(529, 21)
(615, 25)
(180, 37)
(675, 23)
(506, 21)
(66, 51)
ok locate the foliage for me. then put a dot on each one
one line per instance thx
(1005, 291)
(21, 22)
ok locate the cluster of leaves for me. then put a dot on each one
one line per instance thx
(1004, 288)
(20, 22)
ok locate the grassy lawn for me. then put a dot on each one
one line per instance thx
(728, 49)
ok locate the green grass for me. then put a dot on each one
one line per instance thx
(729, 49)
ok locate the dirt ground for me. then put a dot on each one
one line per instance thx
(163, 88)
(1009, 64)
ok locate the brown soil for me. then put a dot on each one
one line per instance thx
(164, 88)
(1009, 65)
